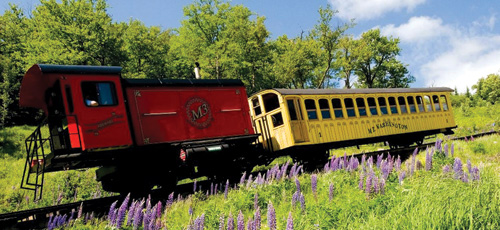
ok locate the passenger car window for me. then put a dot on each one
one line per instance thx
(337, 108)
(291, 110)
(97, 94)
(311, 109)
(393, 105)
(324, 108)
(444, 103)
(360, 102)
(256, 106)
(383, 105)
(277, 119)
(435, 100)
(428, 103)
(411, 104)
(271, 102)
(402, 105)
(420, 103)
(372, 105)
(349, 107)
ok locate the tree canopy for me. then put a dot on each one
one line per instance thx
(228, 41)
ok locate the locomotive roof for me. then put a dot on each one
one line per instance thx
(79, 69)
(182, 82)
(360, 91)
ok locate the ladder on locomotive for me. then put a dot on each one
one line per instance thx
(34, 168)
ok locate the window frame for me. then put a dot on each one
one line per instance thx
(113, 93)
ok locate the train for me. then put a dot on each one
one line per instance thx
(146, 133)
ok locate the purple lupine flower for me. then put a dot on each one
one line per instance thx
(211, 189)
(49, 224)
(361, 181)
(446, 149)
(469, 166)
(230, 222)
(257, 218)
(398, 164)
(158, 209)
(226, 190)
(289, 222)
(314, 183)
(402, 176)
(466, 140)
(256, 201)
(138, 215)
(457, 168)
(215, 189)
(194, 185)
(250, 223)
(330, 192)
(355, 164)
(344, 161)
(297, 184)
(379, 160)
(376, 187)
(302, 202)
(438, 145)
(190, 210)
(368, 184)
(295, 198)
(471, 138)
(121, 212)
(363, 161)
(428, 161)
(243, 177)
(111, 213)
(336, 164)
(414, 158)
(284, 168)
(170, 199)
(475, 174)
(80, 210)
(201, 224)
(326, 168)
(221, 222)
(382, 186)
(370, 162)
(465, 177)
(241, 221)
(292, 170)
(446, 169)
(271, 217)
(250, 180)
(452, 149)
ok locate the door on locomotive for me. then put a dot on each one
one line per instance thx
(99, 108)
(297, 123)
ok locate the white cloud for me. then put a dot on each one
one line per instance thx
(369, 9)
(418, 29)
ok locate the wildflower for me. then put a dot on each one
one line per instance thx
(402, 176)
(112, 213)
(230, 222)
(292, 170)
(297, 184)
(326, 168)
(194, 186)
(226, 190)
(221, 222)
(376, 187)
(361, 181)
(370, 162)
(302, 202)
(314, 183)
(295, 198)
(241, 221)
(249, 181)
(413, 159)
(471, 138)
(190, 210)
(257, 218)
(271, 217)
(215, 189)
(428, 161)
(457, 168)
(398, 163)
(242, 179)
(368, 185)
(465, 177)
(469, 166)
(438, 145)
(446, 169)
(330, 192)
(446, 149)
(379, 160)
(382, 186)
(475, 173)
(170, 199)
(289, 222)
(249, 224)
(256, 201)
(452, 149)
(80, 209)
(138, 215)
(121, 212)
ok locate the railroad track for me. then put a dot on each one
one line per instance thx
(38, 218)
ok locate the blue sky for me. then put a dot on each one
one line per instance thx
(449, 43)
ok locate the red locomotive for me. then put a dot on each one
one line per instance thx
(138, 131)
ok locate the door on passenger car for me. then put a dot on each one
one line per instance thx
(297, 122)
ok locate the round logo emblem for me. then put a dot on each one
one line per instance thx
(198, 112)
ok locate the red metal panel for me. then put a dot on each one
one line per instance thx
(168, 114)
(74, 134)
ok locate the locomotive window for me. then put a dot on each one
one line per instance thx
(270, 101)
(435, 100)
(443, 101)
(392, 104)
(277, 119)
(99, 94)
(337, 108)
(349, 107)
(411, 104)
(383, 105)
(291, 110)
(325, 109)
(360, 102)
(256, 106)
(372, 105)
(402, 105)
(311, 109)
(420, 103)
(428, 103)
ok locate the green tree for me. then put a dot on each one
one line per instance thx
(328, 38)
(346, 59)
(488, 88)
(78, 32)
(377, 64)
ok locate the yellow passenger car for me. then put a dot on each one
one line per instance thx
(332, 118)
